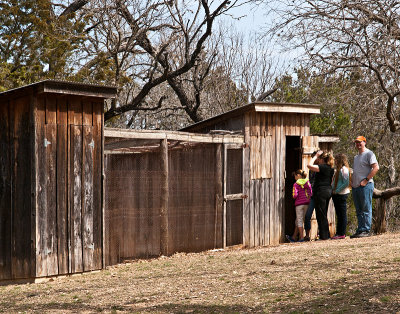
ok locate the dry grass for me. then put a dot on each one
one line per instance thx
(348, 276)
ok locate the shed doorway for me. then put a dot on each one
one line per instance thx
(292, 163)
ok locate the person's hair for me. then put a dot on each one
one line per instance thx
(328, 158)
(340, 161)
(300, 172)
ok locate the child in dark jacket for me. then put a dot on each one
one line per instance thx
(302, 193)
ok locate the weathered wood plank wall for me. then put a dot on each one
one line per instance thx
(5, 192)
(16, 247)
(50, 184)
(20, 188)
(264, 208)
(69, 142)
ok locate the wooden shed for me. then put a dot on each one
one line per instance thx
(277, 142)
(51, 163)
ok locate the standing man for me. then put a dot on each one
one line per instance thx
(365, 168)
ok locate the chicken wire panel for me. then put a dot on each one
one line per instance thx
(194, 212)
(234, 171)
(234, 222)
(132, 206)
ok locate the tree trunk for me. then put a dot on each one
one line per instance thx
(380, 216)
(380, 212)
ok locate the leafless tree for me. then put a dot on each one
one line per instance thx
(342, 36)
(140, 45)
(228, 73)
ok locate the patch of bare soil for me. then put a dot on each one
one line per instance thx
(351, 276)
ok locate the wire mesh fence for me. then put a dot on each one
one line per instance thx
(133, 201)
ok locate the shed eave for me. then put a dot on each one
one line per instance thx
(257, 107)
(287, 108)
(66, 88)
(80, 89)
(327, 138)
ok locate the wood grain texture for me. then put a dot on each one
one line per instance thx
(88, 147)
(20, 188)
(76, 198)
(5, 191)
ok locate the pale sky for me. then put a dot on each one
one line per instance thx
(254, 21)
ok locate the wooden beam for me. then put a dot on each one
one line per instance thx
(127, 143)
(328, 139)
(173, 135)
(232, 197)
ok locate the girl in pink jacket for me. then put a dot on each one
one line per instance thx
(302, 193)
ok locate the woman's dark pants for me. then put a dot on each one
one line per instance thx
(321, 198)
(340, 202)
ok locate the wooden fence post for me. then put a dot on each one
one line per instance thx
(164, 198)
(219, 199)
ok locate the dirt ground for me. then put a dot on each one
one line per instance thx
(348, 276)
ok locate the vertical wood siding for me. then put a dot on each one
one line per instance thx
(5, 192)
(62, 143)
(69, 145)
(50, 195)
(20, 188)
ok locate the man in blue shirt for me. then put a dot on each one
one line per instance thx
(365, 167)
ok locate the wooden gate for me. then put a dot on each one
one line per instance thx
(233, 195)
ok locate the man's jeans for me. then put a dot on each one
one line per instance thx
(307, 219)
(362, 197)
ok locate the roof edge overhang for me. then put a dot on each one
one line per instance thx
(257, 107)
(327, 138)
(66, 88)
(287, 108)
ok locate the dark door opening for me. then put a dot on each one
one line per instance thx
(292, 163)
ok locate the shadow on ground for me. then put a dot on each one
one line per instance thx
(357, 296)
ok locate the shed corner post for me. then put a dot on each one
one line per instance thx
(224, 170)
(246, 180)
(104, 258)
(164, 198)
(219, 199)
(34, 162)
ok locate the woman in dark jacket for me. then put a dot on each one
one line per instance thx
(322, 189)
